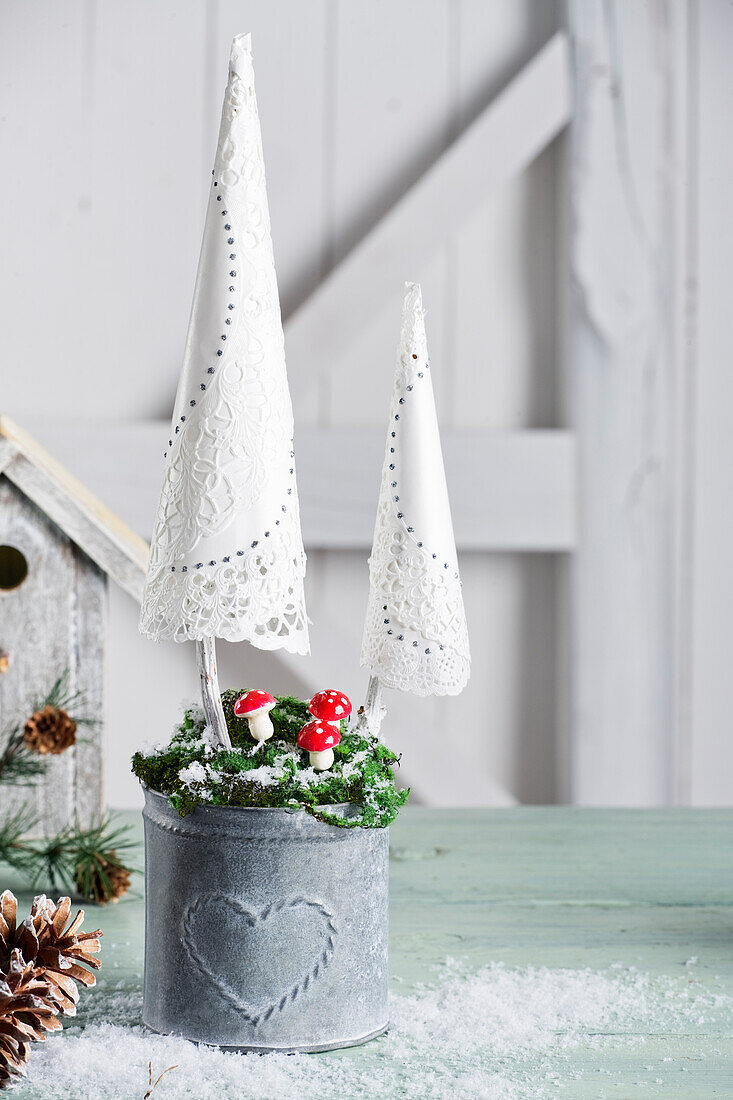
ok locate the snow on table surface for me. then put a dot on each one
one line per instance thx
(592, 956)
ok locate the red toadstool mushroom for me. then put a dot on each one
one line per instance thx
(318, 738)
(255, 706)
(331, 706)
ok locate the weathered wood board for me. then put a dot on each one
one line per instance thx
(54, 622)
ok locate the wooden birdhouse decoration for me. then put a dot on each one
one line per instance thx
(58, 547)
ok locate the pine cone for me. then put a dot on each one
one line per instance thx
(49, 730)
(57, 954)
(27, 1012)
(105, 879)
(40, 963)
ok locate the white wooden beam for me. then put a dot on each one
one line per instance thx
(626, 364)
(509, 491)
(502, 141)
(709, 750)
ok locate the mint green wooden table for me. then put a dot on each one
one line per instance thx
(555, 887)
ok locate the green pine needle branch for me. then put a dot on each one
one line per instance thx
(77, 860)
(63, 698)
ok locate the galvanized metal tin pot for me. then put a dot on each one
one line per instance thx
(264, 929)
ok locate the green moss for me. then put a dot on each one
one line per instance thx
(276, 773)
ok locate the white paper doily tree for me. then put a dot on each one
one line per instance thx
(226, 558)
(415, 637)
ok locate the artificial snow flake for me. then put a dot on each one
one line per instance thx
(498, 1033)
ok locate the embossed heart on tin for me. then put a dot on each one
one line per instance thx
(259, 961)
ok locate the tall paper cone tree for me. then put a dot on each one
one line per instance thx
(415, 636)
(227, 556)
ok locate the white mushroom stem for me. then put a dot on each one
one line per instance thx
(321, 761)
(260, 725)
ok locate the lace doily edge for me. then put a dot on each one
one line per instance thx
(297, 644)
(388, 680)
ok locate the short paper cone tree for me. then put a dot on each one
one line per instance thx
(227, 558)
(415, 637)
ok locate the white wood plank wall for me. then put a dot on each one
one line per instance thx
(111, 111)
(626, 371)
(709, 747)
(646, 694)
(600, 673)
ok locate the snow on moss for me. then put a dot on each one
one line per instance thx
(194, 770)
(193, 775)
